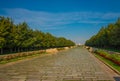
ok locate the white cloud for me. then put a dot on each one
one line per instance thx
(48, 20)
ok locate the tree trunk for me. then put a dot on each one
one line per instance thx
(27, 49)
(11, 50)
(18, 49)
(1, 50)
(15, 50)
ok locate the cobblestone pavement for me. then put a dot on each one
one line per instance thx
(72, 65)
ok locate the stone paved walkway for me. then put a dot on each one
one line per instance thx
(72, 65)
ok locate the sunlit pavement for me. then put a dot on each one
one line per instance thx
(72, 65)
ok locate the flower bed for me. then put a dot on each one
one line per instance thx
(113, 57)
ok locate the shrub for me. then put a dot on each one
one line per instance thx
(59, 49)
(17, 55)
(1, 59)
(6, 58)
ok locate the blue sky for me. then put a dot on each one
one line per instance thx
(77, 20)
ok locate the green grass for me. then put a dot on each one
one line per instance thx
(115, 66)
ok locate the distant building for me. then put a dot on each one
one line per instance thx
(79, 44)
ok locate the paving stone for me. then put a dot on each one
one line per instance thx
(32, 79)
(72, 65)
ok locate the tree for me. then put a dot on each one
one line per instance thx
(38, 37)
(115, 35)
(106, 37)
(6, 26)
(22, 37)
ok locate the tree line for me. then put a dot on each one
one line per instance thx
(107, 37)
(20, 37)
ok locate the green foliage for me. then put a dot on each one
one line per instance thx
(107, 37)
(20, 37)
